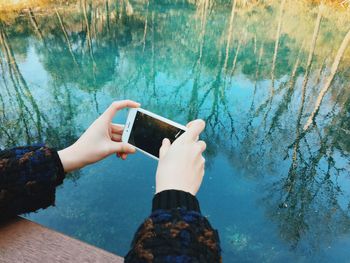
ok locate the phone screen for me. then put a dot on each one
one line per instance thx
(148, 133)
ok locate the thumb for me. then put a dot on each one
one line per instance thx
(122, 147)
(165, 147)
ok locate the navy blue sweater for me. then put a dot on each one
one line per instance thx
(174, 232)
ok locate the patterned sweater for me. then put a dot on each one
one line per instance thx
(175, 231)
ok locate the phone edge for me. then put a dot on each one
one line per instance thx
(148, 154)
(129, 121)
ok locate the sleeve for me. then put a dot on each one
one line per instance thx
(28, 179)
(175, 231)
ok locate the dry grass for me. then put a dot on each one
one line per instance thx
(13, 5)
(16, 5)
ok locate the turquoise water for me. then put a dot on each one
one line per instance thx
(276, 188)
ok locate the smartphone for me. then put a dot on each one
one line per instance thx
(146, 130)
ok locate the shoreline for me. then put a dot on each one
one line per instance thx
(9, 6)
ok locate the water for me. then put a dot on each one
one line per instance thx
(276, 184)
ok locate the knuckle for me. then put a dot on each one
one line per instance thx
(127, 102)
(114, 105)
(202, 145)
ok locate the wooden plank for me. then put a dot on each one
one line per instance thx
(24, 241)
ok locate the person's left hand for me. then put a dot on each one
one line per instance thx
(100, 140)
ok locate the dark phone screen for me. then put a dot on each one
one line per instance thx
(148, 133)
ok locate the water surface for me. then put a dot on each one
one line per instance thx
(270, 79)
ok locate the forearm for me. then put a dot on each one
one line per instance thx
(175, 231)
(28, 178)
(70, 159)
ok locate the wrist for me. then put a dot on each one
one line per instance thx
(70, 159)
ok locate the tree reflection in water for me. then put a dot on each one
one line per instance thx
(275, 99)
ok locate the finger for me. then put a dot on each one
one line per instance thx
(203, 161)
(188, 125)
(164, 148)
(122, 147)
(202, 165)
(116, 137)
(117, 128)
(123, 156)
(202, 146)
(192, 134)
(118, 105)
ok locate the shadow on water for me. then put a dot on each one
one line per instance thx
(271, 79)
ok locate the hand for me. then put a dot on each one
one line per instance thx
(181, 164)
(100, 140)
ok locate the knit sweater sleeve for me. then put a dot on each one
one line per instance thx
(28, 178)
(175, 231)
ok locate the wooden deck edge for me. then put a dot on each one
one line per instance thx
(22, 240)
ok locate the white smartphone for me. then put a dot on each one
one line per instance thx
(146, 131)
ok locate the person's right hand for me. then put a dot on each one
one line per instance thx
(100, 140)
(181, 164)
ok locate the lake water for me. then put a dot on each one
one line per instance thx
(270, 78)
